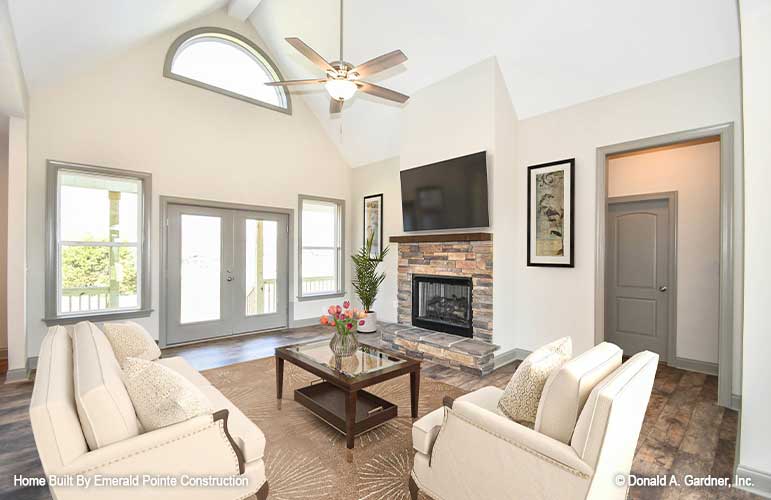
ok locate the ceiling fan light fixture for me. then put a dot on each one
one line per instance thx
(340, 89)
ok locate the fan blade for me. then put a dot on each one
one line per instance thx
(287, 83)
(380, 63)
(335, 106)
(311, 54)
(376, 90)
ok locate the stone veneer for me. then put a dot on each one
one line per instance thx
(472, 259)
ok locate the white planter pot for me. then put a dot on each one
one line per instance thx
(370, 323)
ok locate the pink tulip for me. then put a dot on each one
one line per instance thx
(349, 325)
(338, 309)
(346, 304)
(324, 320)
(331, 310)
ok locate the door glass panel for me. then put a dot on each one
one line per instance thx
(200, 271)
(261, 265)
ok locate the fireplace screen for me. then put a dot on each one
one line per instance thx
(442, 303)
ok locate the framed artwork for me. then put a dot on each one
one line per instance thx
(373, 222)
(550, 214)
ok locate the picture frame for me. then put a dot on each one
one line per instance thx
(372, 222)
(551, 214)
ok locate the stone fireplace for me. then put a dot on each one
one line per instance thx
(445, 300)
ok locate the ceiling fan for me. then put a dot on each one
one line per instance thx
(342, 78)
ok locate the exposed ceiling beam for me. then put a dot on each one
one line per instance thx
(242, 9)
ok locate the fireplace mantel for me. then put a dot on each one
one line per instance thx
(440, 238)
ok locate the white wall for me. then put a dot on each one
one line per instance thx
(16, 256)
(196, 143)
(755, 439)
(694, 172)
(3, 236)
(376, 178)
(554, 302)
(13, 90)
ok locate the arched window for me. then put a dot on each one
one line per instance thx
(224, 61)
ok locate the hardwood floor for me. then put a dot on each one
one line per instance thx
(684, 431)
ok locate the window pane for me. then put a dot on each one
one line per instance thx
(98, 278)
(319, 224)
(319, 271)
(98, 208)
(200, 268)
(228, 65)
(261, 253)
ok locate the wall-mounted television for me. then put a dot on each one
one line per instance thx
(450, 194)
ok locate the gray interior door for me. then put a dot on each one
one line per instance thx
(227, 272)
(637, 276)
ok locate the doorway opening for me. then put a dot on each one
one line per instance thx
(665, 259)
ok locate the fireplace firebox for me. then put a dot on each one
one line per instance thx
(442, 303)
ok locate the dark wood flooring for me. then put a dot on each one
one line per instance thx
(684, 431)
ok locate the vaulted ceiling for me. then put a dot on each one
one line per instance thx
(552, 53)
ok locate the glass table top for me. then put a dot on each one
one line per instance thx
(365, 360)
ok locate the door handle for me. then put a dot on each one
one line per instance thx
(663, 288)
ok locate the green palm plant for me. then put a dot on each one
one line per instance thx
(366, 282)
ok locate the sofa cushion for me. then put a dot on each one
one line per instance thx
(520, 399)
(104, 407)
(179, 365)
(246, 434)
(161, 396)
(130, 340)
(566, 390)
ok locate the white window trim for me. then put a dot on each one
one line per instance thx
(52, 269)
(340, 230)
(243, 43)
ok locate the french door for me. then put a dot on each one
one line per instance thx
(226, 272)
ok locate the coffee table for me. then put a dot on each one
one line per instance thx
(340, 400)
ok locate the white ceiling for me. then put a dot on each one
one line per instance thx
(552, 53)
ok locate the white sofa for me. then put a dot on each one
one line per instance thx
(585, 435)
(223, 444)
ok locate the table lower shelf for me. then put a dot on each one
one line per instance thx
(327, 402)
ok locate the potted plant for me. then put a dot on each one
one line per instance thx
(367, 281)
(344, 341)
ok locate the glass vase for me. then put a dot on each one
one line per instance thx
(344, 344)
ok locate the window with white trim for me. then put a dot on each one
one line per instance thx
(98, 224)
(225, 62)
(321, 249)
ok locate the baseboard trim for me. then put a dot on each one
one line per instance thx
(299, 323)
(506, 358)
(761, 481)
(17, 375)
(736, 402)
(694, 365)
(32, 363)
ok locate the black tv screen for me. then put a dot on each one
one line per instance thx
(450, 194)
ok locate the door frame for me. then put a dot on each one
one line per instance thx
(730, 175)
(165, 201)
(671, 198)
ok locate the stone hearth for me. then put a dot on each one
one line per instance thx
(471, 355)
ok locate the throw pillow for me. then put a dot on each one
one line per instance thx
(523, 392)
(130, 340)
(161, 396)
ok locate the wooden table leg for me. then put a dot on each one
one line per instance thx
(279, 377)
(350, 418)
(414, 391)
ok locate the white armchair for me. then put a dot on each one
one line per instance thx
(585, 434)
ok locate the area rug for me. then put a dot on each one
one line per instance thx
(304, 457)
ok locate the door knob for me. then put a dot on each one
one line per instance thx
(663, 288)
